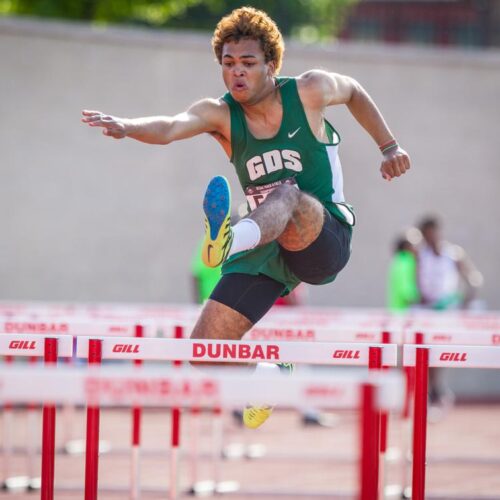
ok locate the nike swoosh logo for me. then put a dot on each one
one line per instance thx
(291, 134)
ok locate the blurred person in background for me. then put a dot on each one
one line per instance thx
(402, 289)
(447, 280)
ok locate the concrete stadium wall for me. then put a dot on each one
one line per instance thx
(84, 217)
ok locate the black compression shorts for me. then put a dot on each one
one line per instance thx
(253, 295)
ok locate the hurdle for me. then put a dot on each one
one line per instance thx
(446, 335)
(458, 320)
(268, 330)
(112, 386)
(50, 349)
(28, 328)
(422, 357)
(74, 326)
(352, 354)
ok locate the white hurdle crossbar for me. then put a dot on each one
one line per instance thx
(225, 351)
(449, 336)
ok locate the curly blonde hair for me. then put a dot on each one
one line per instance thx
(250, 23)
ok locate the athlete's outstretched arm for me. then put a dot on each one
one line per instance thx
(328, 89)
(203, 116)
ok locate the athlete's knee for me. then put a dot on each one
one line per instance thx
(308, 210)
(305, 224)
(287, 193)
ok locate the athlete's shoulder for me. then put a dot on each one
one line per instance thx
(319, 88)
(314, 87)
(213, 110)
(210, 106)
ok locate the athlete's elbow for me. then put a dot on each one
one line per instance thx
(153, 140)
(164, 141)
(355, 89)
(164, 137)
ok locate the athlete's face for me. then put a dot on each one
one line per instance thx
(245, 70)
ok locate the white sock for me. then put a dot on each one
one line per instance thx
(246, 235)
(267, 369)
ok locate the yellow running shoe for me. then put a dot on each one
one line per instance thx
(255, 416)
(218, 232)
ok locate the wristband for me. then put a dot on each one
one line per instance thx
(387, 146)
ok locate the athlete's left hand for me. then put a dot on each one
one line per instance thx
(395, 163)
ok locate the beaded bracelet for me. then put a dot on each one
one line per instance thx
(387, 146)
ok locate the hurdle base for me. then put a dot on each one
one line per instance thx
(20, 483)
(259, 493)
(406, 493)
(35, 484)
(235, 451)
(208, 488)
(393, 455)
(78, 446)
(393, 491)
(256, 451)
(239, 451)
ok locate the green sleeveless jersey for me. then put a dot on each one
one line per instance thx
(293, 154)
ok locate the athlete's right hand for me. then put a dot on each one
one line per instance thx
(112, 125)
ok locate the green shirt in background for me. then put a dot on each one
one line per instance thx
(206, 277)
(402, 287)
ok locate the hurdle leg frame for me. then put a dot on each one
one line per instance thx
(10, 483)
(49, 430)
(408, 412)
(176, 432)
(194, 435)
(420, 423)
(92, 440)
(369, 444)
(32, 415)
(135, 473)
(375, 364)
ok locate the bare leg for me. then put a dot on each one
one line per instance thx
(289, 216)
(220, 322)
